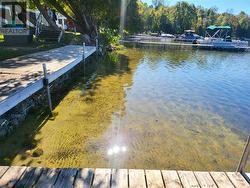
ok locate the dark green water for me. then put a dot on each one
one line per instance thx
(158, 109)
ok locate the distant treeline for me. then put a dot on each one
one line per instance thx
(175, 19)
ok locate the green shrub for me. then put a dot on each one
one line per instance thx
(109, 36)
(72, 38)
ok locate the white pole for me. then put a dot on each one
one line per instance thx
(97, 45)
(46, 85)
(84, 49)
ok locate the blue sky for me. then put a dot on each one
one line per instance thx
(234, 6)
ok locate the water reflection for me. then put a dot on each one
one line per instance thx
(192, 102)
(171, 109)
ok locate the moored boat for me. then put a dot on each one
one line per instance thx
(219, 38)
(188, 36)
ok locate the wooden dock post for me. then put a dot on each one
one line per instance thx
(84, 49)
(244, 158)
(46, 85)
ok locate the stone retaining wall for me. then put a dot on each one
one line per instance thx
(14, 117)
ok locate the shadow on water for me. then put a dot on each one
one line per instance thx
(23, 138)
(23, 141)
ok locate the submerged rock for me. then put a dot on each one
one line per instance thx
(37, 152)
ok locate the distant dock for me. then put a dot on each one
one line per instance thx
(16, 176)
(23, 76)
(175, 45)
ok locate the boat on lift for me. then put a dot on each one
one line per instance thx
(219, 38)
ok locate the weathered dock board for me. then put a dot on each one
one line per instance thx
(22, 76)
(15, 176)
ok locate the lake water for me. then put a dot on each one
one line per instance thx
(152, 109)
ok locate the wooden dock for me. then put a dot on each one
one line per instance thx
(17, 176)
(23, 76)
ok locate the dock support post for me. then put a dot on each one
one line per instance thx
(84, 49)
(46, 85)
(97, 45)
(244, 158)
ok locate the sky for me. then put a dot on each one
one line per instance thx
(233, 6)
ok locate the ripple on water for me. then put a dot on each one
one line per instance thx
(153, 109)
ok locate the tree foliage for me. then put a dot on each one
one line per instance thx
(140, 17)
(133, 19)
(183, 16)
(86, 14)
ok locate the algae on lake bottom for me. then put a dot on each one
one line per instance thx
(134, 112)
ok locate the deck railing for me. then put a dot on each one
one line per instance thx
(243, 162)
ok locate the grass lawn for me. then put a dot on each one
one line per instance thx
(1, 38)
(7, 52)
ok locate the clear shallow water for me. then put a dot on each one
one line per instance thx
(168, 109)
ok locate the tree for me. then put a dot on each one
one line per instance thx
(200, 25)
(243, 27)
(45, 14)
(158, 3)
(86, 14)
(184, 16)
(133, 20)
(211, 16)
(140, 17)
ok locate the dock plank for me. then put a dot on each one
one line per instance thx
(171, 179)
(154, 179)
(188, 179)
(137, 179)
(66, 178)
(84, 178)
(11, 176)
(221, 180)
(26, 75)
(102, 178)
(119, 178)
(205, 180)
(29, 177)
(238, 180)
(48, 178)
(36, 177)
(3, 169)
